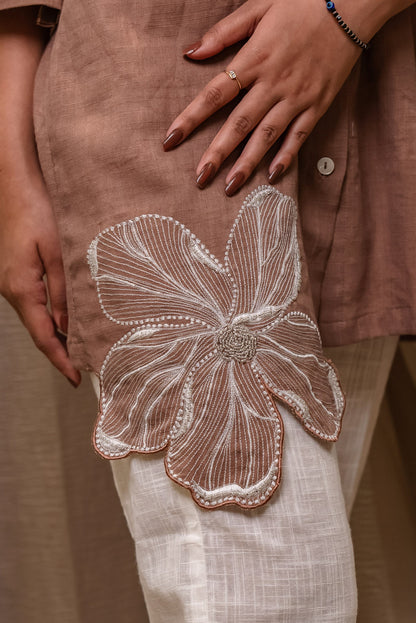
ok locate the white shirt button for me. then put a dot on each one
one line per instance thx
(325, 166)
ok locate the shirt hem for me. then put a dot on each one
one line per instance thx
(391, 321)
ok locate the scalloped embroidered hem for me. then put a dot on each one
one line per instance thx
(211, 350)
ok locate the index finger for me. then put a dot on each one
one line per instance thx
(216, 94)
(40, 325)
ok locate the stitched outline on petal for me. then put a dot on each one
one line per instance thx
(254, 200)
(198, 250)
(253, 496)
(256, 494)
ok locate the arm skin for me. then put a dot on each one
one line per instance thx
(29, 243)
(294, 63)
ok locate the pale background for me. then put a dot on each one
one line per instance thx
(65, 552)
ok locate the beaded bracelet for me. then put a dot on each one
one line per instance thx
(331, 8)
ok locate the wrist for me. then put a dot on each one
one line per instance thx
(19, 158)
(21, 178)
(366, 17)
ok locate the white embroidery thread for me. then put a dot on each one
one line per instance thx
(203, 376)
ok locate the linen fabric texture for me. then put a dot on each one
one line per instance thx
(261, 566)
(111, 79)
(109, 84)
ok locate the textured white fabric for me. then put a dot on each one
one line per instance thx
(290, 561)
(364, 369)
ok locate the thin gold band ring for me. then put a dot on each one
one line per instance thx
(233, 76)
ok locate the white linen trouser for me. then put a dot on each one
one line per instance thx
(290, 561)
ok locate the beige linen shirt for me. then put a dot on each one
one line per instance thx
(110, 82)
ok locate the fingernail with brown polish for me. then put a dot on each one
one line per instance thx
(274, 175)
(191, 48)
(173, 139)
(72, 382)
(234, 184)
(206, 175)
(63, 323)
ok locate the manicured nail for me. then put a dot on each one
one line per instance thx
(191, 48)
(274, 175)
(234, 184)
(63, 323)
(173, 139)
(72, 382)
(206, 175)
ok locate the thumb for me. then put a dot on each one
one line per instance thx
(237, 26)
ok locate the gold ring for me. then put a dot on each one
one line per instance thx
(233, 76)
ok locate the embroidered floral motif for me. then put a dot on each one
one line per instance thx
(204, 377)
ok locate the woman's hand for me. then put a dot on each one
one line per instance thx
(293, 64)
(30, 249)
(29, 244)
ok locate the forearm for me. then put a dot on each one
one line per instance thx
(21, 47)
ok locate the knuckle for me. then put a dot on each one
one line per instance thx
(270, 134)
(217, 155)
(248, 165)
(301, 136)
(188, 120)
(217, 32)
(260, 54)
(286, 73)
(287, 157)
(213, 97)
(40, 342)
(242, 125)
(20, 292)
(13, 289)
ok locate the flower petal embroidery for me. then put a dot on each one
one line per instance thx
(155, 263)
(290, 360)
(142, 382)
(263, 255)
(229, 451)
(205, 375)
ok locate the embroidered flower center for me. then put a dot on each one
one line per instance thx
(236, 342)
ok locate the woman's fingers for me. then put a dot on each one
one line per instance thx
(29, 248)
(40, 325)
(267, 132)
(288, 68)
(222, 88)
(218, 92)
(243, 119)
(265, 135)
(230, 30)
(298, 132)
(259, 112)
(27, 293)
